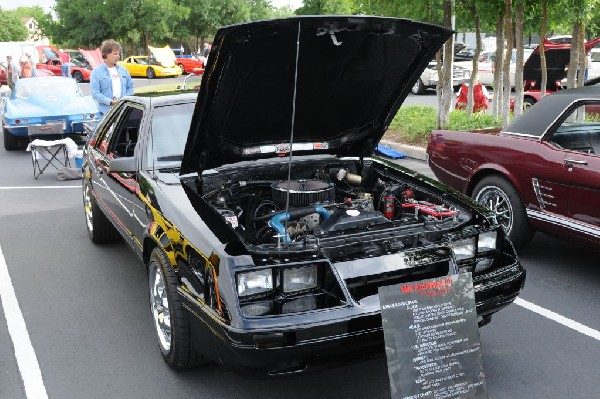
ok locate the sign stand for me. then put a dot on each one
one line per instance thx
(432, 339)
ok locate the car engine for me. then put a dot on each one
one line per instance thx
(325, 202)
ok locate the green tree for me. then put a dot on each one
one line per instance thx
(327, 7)
(206, 16)
(260, 9)
(79, 23)
(140, 23)
(11, 28)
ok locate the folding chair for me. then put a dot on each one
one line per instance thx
(46, 153)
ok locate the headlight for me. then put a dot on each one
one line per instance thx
(487, 241)
(300, 279)
(464, 248)
(257, 309)
(256, 282)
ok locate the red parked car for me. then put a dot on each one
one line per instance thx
(541, 173)
(557, 62)
(187, 65)
(80, 71)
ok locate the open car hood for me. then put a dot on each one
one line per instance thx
(164, 55)
(557, 61)
(47, 52)
(329, 84)
(94, 57)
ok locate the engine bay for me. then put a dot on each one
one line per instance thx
(272, 209)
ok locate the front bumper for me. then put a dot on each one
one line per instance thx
(291, 344)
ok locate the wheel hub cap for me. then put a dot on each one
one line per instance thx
(496, 200)
(160, 307)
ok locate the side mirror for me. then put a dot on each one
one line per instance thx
(123, 165)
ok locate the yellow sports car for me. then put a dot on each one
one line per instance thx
(156, 65)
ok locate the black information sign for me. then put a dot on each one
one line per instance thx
(432, 339)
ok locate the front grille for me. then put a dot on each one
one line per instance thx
(366, 286)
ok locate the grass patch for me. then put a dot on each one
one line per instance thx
(413, 124)
(161, 87)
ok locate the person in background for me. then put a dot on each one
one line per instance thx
(25, 67)
(481, 97)
(65, 68)
(33, 65)
(12, 72)
(110, 81)
(588, 65)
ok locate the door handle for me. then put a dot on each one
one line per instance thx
(575, 161)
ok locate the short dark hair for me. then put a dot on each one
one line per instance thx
(108, 46)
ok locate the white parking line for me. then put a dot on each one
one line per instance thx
(572, 324)
(33, 187)
(26, 358)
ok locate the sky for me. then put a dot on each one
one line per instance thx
(48, 4)
(12, 4)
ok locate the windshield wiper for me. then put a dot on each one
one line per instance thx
(170, 158)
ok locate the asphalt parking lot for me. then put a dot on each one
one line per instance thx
(86, 329)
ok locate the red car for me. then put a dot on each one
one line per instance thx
(80, 74)
(54, 59)
(557, 62)
(187, 65)
(541, 173)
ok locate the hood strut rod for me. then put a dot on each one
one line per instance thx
(287, 199)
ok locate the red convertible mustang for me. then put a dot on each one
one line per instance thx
(271, 263)
(541, 173)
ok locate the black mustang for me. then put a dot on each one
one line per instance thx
(265, 225)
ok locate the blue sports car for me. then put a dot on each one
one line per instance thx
(43, 105)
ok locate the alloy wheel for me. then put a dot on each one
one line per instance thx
(87, 204)
(160, 306)
(497, 201)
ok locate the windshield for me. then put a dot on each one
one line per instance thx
(170, 126)
(62, 87)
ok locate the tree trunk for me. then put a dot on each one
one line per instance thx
(497, 66)
(505, 106)
(543, 66)
(446, 81)
(573, 68)
(581, 53)
(475, 71)
(518, 109)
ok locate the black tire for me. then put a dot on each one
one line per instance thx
(150, 73)
(78, 76)
(528, 103)
(99, 228)
(418, 87)
(174, 341)
(182, 68)
(499, 195)
(11, 143)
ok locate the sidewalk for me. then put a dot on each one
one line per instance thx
(415, 157)
(409, 150)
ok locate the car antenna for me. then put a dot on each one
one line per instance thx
(287, 199)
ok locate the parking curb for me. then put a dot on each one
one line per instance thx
(409, 150)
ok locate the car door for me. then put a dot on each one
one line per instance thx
(136, 68)
(129, 64)
(117, 191)
(578, 135)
